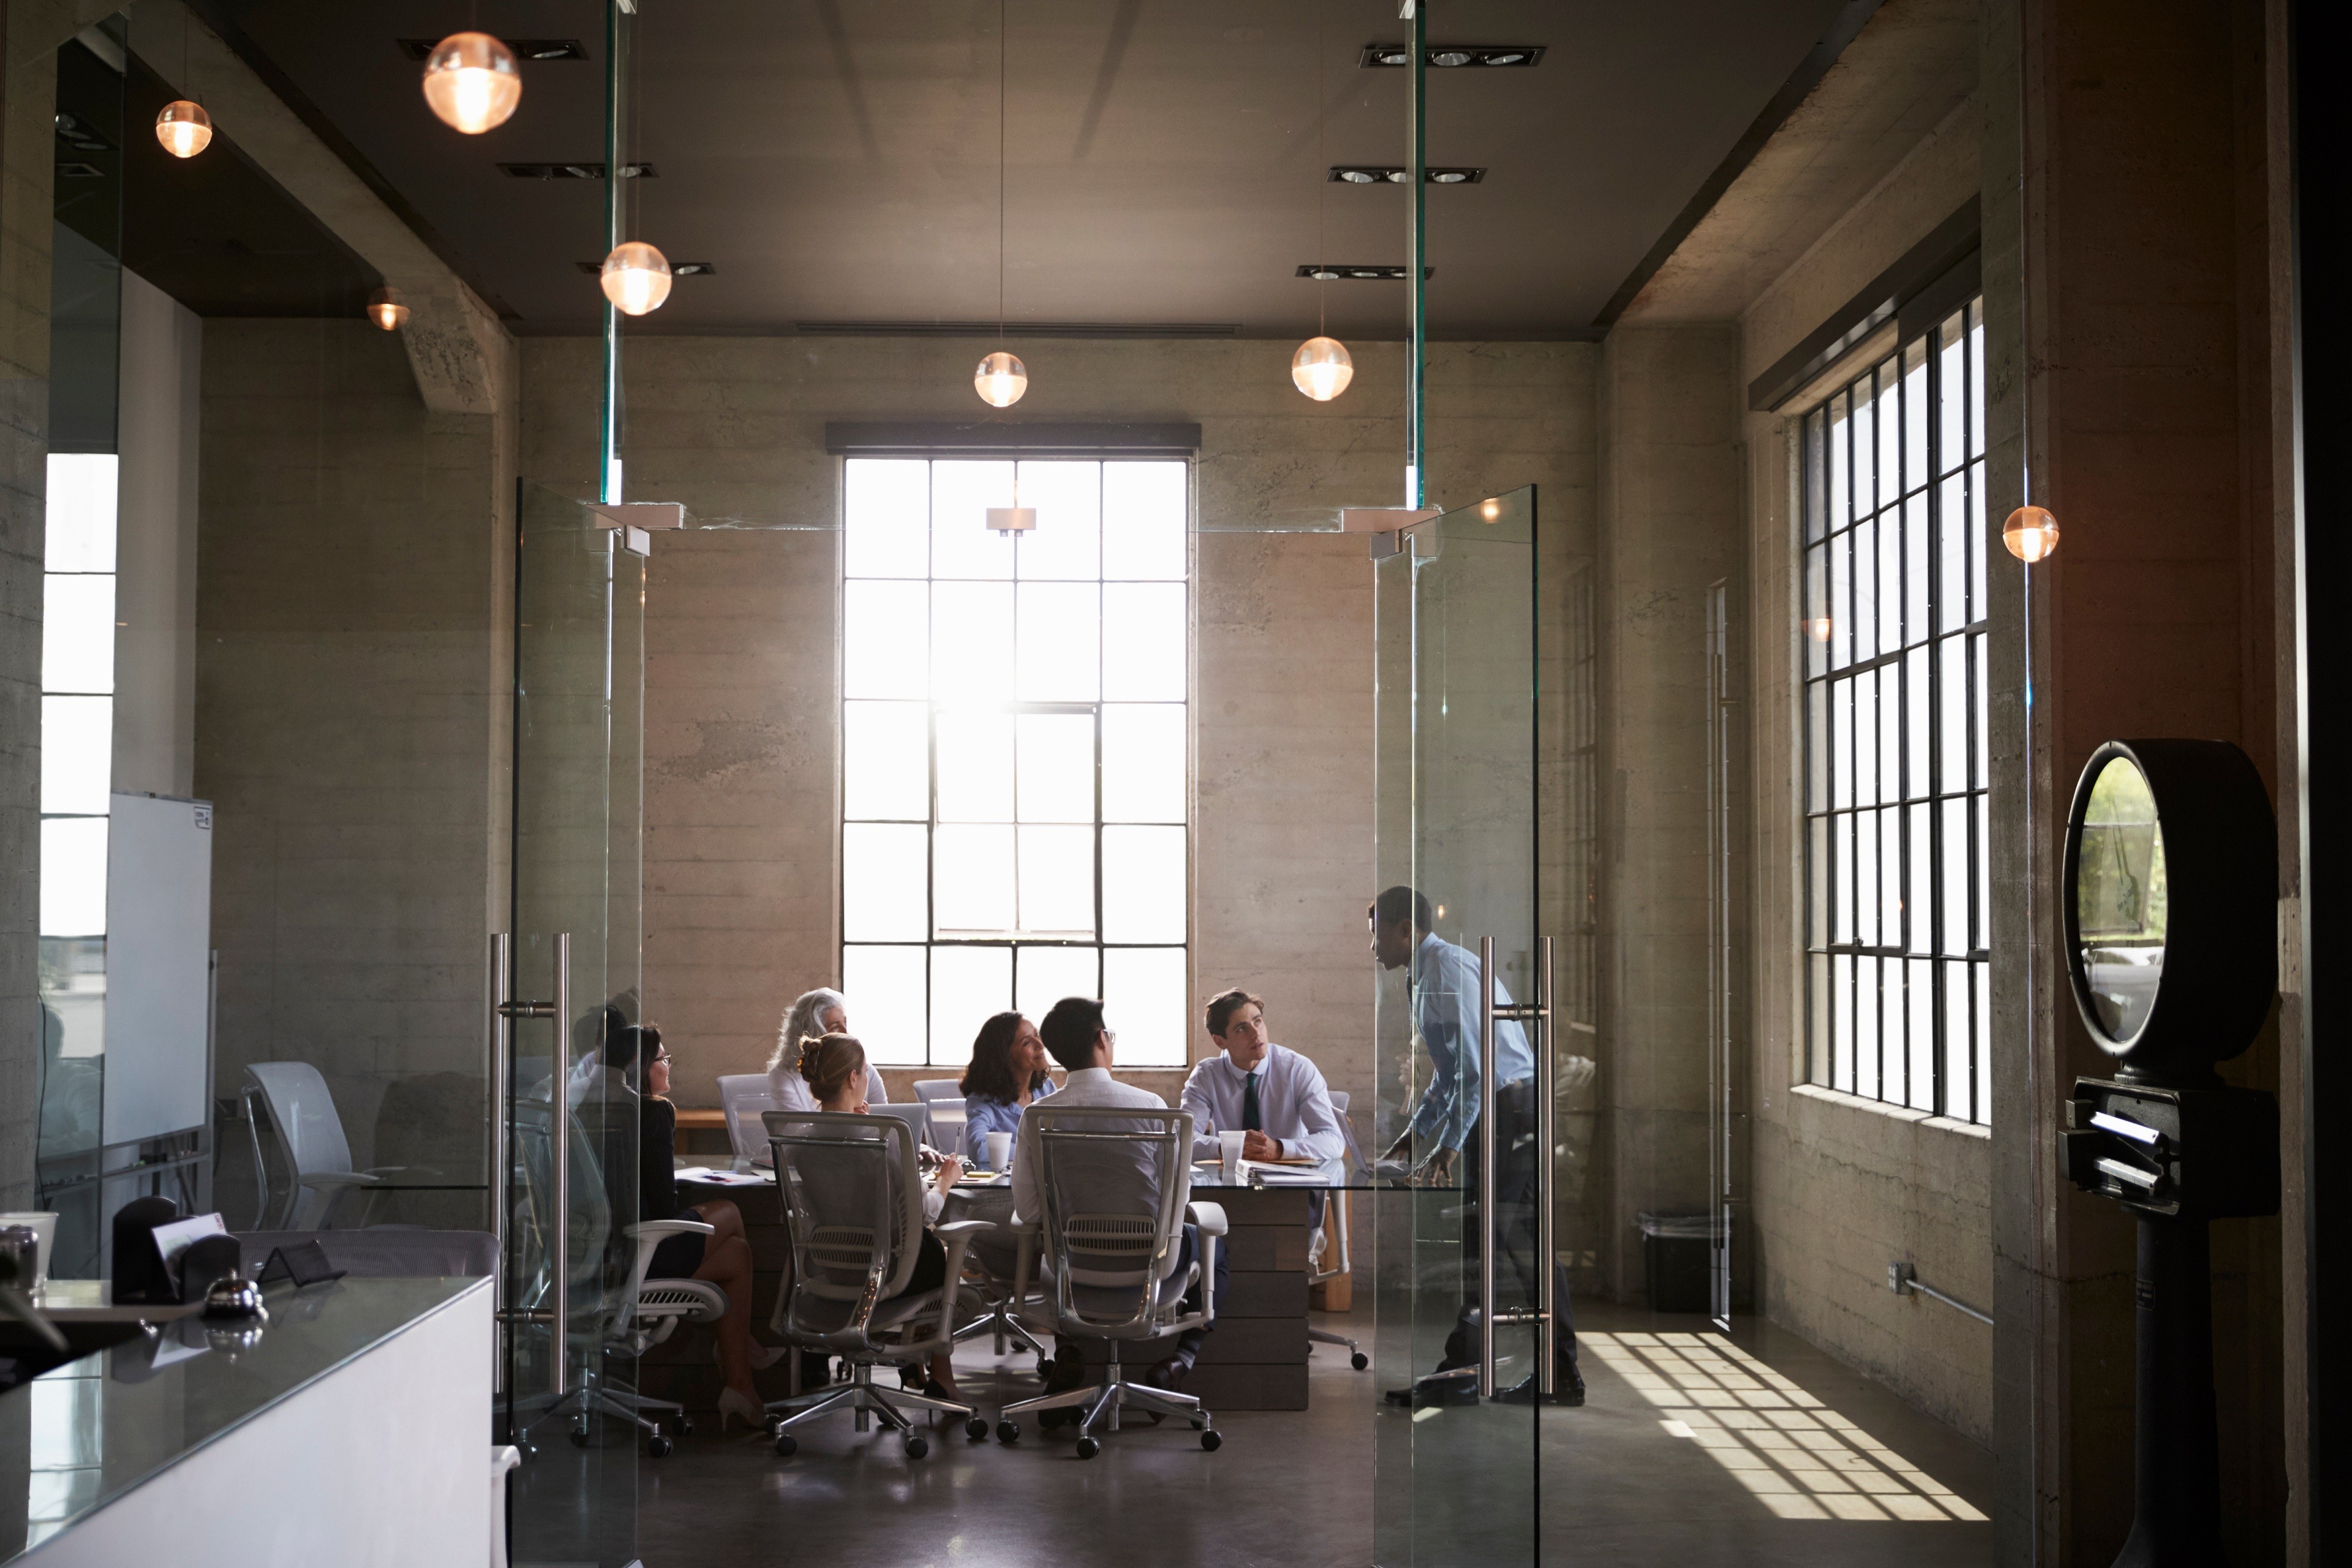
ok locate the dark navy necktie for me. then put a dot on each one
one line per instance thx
(1252, 1122)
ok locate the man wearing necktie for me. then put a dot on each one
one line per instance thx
(1251, 1085)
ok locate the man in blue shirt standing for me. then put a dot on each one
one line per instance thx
(1443, 980)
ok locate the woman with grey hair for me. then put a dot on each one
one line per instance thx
(813, 1015)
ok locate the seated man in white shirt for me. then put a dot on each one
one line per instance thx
(1076, 1036)
(1269, 1092)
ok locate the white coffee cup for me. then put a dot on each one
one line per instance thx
(45, 1232)
(1000, 1151)
(1229, 1145)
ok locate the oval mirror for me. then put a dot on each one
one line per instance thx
(2121, 901)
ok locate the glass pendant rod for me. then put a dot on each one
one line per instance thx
(1417, 362)
(608, 467)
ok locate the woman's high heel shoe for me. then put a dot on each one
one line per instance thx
(735, 1406)
(763, 1357)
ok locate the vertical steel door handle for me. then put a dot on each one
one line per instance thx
(1487, 1174)
(1546, 1258)
(559, 1121)
(502, 1051)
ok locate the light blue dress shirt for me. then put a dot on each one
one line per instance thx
(1294, 1104)
(983, 1116)
(1445, 1006)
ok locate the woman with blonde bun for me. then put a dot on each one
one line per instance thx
(833, 1068)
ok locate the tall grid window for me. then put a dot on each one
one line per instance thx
(1014, 748)
(1893, 501)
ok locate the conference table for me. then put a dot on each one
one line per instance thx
(1254, 1359)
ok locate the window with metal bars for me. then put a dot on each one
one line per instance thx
(1892, 492)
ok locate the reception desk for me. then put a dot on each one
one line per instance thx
(351, 1429)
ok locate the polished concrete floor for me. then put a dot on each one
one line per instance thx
(1690, 1450)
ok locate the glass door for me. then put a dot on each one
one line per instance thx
(1461, 1039)
(569, 976)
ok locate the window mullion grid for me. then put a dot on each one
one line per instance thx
(1937, 969)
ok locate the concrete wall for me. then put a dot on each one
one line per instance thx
(740, 761)
(348, 673)
(156, 543)
(1669, 534)
(1843, 1187)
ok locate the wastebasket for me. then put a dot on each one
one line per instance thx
(1674, 1245)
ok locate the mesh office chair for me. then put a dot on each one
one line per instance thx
(1115, 1182)
(928, 1089)
(1334, 1227)
(744, 1098)
(854, 1204)
(310, 1132)
(610, 1307)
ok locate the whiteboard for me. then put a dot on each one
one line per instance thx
(159, 903)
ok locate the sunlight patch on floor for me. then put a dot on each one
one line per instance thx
(1801, 1459)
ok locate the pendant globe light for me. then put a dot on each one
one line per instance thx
(184, 128)
(2031, 533)
(472, 82)
(1322, 367)
(1002, 378)
(636, 278)
(385, 310)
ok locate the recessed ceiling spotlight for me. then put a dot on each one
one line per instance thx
(1391, 174)
(421, 49)
(1334, 272)
(1451, 56)
(575, 171)
(677, 268)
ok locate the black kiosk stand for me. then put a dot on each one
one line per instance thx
(2170, 899)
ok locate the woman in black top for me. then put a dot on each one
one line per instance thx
(723, 1258)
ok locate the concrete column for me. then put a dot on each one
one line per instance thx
(2133, 367)
(1672, 525)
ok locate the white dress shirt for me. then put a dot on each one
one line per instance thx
(1088, 1086)
(789, 1089)
(1294, 1104)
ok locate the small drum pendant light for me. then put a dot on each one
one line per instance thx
(384, 309)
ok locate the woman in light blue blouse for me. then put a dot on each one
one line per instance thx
(1006, 1076)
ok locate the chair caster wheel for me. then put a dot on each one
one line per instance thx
(657, 1445)
(1008, 1431)
(1213, 1439)
(684, 1428)
(918, 1447)
(1360, 1361)
(579, 1436)
(786, 1444)
(976, 1428)
(1088, 1447)
(1045, 1366)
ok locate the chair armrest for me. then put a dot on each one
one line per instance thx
(340, 1179)
(960, 1226)
(664, 1227)
(1209, 1217)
